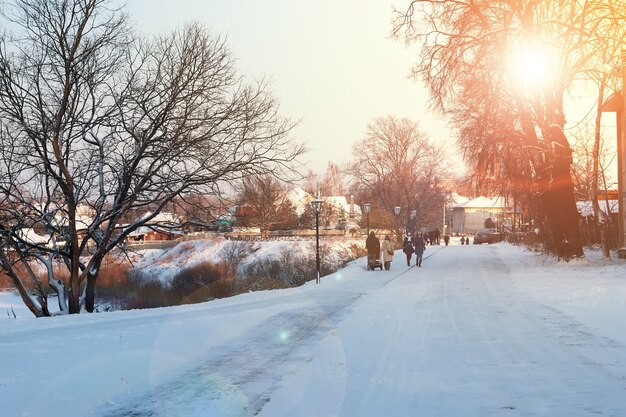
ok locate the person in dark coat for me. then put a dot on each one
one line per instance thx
(407, 248)
(446, 239)
(372, 244)
(419, 246)
(437, 236)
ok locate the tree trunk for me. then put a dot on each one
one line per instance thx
(92, 276)
(90, 293)
(560, 203)
(28, 301)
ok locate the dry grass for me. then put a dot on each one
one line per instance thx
(5, 282)
(124, 287)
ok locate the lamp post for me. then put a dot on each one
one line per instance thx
(367, 207)
(445, 198)
(621, 252)
(396, 211)
(413, 214)
(317, 206)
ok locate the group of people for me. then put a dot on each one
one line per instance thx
(374, 249)
(414, 245)
(411, 245)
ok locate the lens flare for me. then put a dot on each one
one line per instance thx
(532, 65)
(283, 336)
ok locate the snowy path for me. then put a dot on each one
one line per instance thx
(465, 335)
(453, 338)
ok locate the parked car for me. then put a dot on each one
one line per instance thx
(487, 236)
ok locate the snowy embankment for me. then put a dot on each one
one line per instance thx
(478, 330)
(162, 265)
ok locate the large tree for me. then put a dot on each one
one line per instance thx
(395, 164)
(93, 116)
(469, 50)
(270, 206)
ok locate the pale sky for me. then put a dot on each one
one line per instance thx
(331, 63)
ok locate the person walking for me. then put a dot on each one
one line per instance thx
(407, 248)
(419, 246)
(388, 250)
(372, 244)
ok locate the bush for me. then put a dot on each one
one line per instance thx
(529, 239)
(122, 287)
(288, 269)
(202, 282)
(150, 294)
(235, 252)
(256, 283)
(292, 269)
(113, 283)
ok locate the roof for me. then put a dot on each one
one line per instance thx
(585, 208)
(147, 229)
(298, 195)
(161, 218)
(482, 202)
(614, 103)
(299, 198)
(30, 236)
(82, 222)
(342, 203)
(456, 199)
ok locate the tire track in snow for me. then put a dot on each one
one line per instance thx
(239, 379)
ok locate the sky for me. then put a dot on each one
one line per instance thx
(332, 64)
(520, 335)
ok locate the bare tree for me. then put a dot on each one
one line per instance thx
(268, 198)
(465, 45)
(395, 164)
(330, 184)
(608, 39)
(91, 116)
(587, 177)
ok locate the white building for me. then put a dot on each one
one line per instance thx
(470, 216)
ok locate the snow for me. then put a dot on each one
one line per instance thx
(29, 235)
(479, 330)
(161, 218)
(163, 265)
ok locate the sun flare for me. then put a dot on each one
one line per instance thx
(532, 65)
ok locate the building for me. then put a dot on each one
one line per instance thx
(471, 215)
(617, 104)
(163, 226)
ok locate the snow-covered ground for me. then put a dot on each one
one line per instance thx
(163, 265)
(487, 330)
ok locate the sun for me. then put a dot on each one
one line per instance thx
(531, 65)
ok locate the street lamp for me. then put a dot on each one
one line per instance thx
(621, 252)
(413, 214)
(367, 207)
(317, 206)
(445, 199)
(396, 211)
